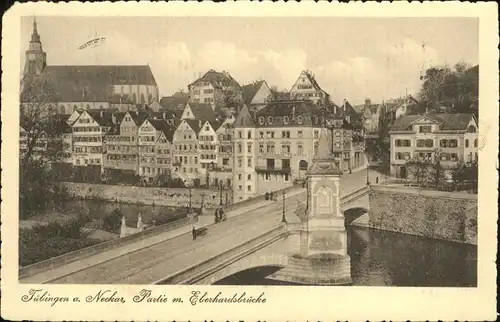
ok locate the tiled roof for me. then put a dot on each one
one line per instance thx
(163, 126)
(101, 117)
(250, 90)
(138, 117)
(195, 125)
(174, 102)
(202, 111)
(449, 122)
(218, 79)
(244, 118)
(94, 83)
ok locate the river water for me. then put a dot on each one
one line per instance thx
(381, 258)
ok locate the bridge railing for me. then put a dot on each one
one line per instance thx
(261, 198)
(206, 268)
(355, 194)
(79, 254)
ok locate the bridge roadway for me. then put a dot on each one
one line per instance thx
(154, 263)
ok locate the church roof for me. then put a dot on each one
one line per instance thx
(94, 83)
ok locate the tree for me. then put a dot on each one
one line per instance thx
(437, 169)
(40, 146)
(418, 169)
(457, 88)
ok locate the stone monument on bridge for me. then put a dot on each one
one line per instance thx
(322, 258)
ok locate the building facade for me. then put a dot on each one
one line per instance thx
(449, 138)
(307, 88)
(155, 148)
(186, 151)
(122, 143)
(88, 131)
(215, 88)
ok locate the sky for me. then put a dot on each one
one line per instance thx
(352, 58)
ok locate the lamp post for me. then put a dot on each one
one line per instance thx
(283, 219)
(220, 185)
(367, 167)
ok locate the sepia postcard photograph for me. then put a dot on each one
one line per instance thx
(224, 161)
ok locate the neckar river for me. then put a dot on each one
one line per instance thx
(381, 258)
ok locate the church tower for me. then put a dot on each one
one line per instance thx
(36, 58)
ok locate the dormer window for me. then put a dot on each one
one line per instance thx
(300, 120)
(270, 120)
(261, 120)
(286, 120)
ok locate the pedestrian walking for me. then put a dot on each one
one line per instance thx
(376, 180)
(194, 233)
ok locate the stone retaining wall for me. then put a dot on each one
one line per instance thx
(173, 197)
(435, 214)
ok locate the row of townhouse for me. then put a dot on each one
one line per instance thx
(151, 144)
(451, 139)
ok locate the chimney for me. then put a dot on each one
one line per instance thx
(343, 106)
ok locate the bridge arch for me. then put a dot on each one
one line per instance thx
(274, 254)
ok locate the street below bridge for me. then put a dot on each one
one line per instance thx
(152, 262)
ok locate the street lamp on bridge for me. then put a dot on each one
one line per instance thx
(283, 218)
(221, 203)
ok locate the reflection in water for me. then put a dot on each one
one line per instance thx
(381, 258)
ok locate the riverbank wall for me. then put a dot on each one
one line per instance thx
(441, 215)
(172, 197)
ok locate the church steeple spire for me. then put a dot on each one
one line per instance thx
(35, 37)
(36, 58)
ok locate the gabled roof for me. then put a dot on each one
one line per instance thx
(218, 79)
(202, 111)
(138, 117)
(244, 119)
(250, 90)
(94, 83)
(101, 117)
(449, 122)
(194, 124)
(163, 126)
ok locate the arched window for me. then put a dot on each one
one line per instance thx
(303, 165)
(134, 98)
(270, 120)
(466, 143)
(62, 110)
(261, 120)
(471, 129)
(150, 99)
(142, 99)
(285, 119)
(300, 119)
(475, 143)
